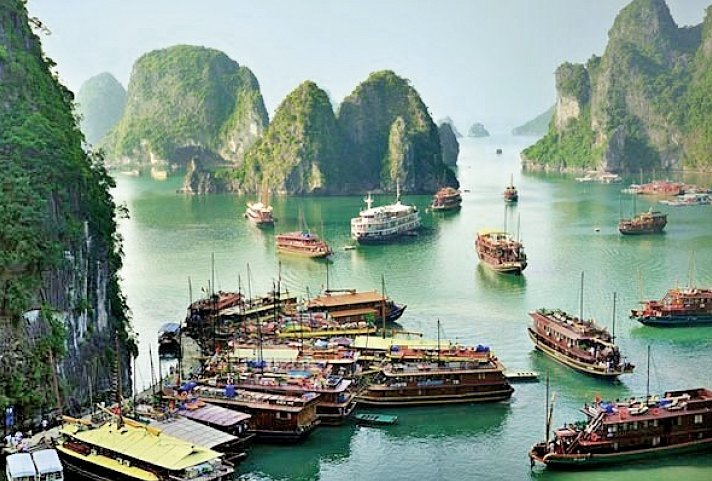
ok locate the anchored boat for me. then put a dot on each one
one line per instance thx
(446, 199)
(384, 223)
(618, 432)
(690, 306)
(499, 251)
(650, 222)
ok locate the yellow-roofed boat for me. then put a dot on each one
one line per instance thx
(127, 450)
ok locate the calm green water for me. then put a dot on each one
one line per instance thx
(171, 237)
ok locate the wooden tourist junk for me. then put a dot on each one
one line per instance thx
(446, 199)
(437, 375)
(649, 222)
(275, 418)
(289, 371)
(386, 222)
(350, 305)
(511, 194)
(499, 251)
(260, 213)
(302, 243)
(578, 343)
(688, 306)
(122, 449)
(618, 432)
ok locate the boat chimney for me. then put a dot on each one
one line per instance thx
(369, 201)
(397, 191)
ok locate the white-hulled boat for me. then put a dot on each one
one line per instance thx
(384, 223)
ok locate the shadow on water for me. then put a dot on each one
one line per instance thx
(579, 387)
(690, 467)
(299, 462)
(499, 282)
(467, 421)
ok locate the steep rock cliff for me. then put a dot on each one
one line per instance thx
(100, 104)
(477, 130)
(60, 305)
(449, 144)
(390, 137)
(300, 151)
(186, 98)
(635, 106)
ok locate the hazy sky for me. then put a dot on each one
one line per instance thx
(474, 60)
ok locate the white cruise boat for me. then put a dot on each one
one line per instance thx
(381, 224)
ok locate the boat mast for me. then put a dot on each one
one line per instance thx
(581, 299)
(153, 373)
(613, 333)
(546, 410)
(438, 341)
(383, 304)
(647, 381)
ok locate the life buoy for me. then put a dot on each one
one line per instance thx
(655, 411)
(594, 437)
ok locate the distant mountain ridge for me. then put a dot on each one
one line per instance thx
(539, 125)
(100, 102)
(646, 103)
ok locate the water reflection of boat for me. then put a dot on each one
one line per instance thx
(468, 422)
(323, 445)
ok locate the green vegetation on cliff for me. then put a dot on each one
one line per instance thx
(100, 103)
(58, 219)
(185, 97)
(300, 151)
(646, 103)
(391, 137)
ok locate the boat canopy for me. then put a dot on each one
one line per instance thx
(144, 445)
(194, 432)
(20, 465)
(169, 327)
(47, 461)
(217, 415)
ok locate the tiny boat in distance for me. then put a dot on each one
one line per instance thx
(500, 252)
(511, 194)
(690, 306)
(618, 432)
(650, 222)
(446, 199)
(580, 344)
(302, 243)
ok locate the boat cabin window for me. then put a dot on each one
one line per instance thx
(698, 418)
(656, 440)
(281, 415)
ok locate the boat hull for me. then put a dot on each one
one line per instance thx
(404, 401)
(284, 437)
(567, 361)
(641, 231)
(396, 312)
(573, 461)
(675, 321)
(303, 253)
(384, 239)
(513, 268)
